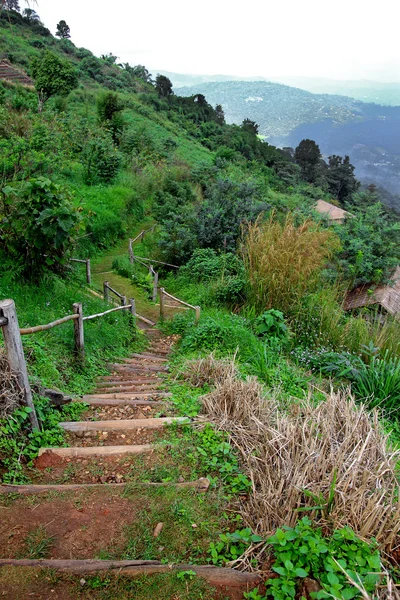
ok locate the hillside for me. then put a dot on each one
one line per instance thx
(368, 133)
(190, 403)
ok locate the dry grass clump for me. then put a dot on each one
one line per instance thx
(285, 454)
(209, 370)
(284, 261)
(10, 392)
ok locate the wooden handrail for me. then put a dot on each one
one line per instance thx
(113, 291)
(178, 300)
(106, 312)
(37, 328)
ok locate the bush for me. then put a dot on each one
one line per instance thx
(39, 225)
(101, 159)
(206, 264)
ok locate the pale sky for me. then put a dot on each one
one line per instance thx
(340, 39)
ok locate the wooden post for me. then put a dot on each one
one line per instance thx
(78, 331)
(162, 309)
(131, 255)
(155, 286)
(15, 354)
(197, 317)
(123, 300)
(133, 307)
(88, 273)
(105, 292)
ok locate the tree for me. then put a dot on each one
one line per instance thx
(340, 177)
(63, 30)
(250, 126)
(31, 15)
(11, 5)
(53, 76)
(308, 156)
(163, 86)
(219, 115)
(138, 71)
(370, 242)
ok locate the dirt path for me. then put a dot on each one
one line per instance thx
(111, 490)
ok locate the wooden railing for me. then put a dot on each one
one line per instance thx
(87, 263)
(13, 342)
(164, 294)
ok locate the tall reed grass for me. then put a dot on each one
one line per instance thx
(284, 261)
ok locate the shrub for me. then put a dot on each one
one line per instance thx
(284, 262)
(206, 264)
(39, 225)
(101, 159)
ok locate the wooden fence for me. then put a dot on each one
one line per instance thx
(13, 343)
(164, 294)
(86, 261)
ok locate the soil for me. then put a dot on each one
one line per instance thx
(111, 438)
(110, 413)
(81, 523)
(153, 466)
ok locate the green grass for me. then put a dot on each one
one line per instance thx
(38, 543)
(20, 582)
(190, 522)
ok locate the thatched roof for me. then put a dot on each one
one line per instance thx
(10, 73)
(388, 296)
(334, 213)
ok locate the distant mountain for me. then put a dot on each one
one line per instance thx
(368, 133)
(367, 91)
(386, 94)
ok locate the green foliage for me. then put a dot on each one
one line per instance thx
(231, 546)
(63, 31)
(206, 264)
(271, 324)
(138, 274)
(19, 445)
(101, 159)
(52, 76)
(303, 551)
(370, 244)
(39, 225)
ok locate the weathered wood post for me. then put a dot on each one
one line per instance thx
(105, 292)
(78, 331)
(131, 255)
(88, 273)
(197, 317)
(155, 286)
(123, 300)
(133, 307)
(15, 353)
(162, 308)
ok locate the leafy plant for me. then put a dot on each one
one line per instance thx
(271, 324)
(335, 561)
(39, 225)
(232, 545)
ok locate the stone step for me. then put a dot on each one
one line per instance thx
(151, 391)
(121, 424)
(105, 401)
(136, 367)
(147, 357)
(127, 395)
(98, 450)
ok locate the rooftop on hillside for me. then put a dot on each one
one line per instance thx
(334, 213)
(387, 296)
